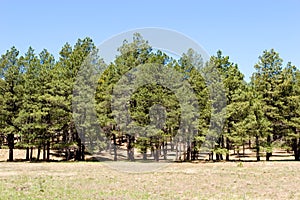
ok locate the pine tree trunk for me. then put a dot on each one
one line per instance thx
(257, 148)
(10, 141)
(115, 147)
(227, 148)
(165, 150)
(44, 151)
(68, 154)
(132, 154)
(145, 155)
(128, 148)
(48, 151)
(227, 141)
(11, 155)
(193, 153)
(157, 153)
(218, 146)
(188, 152)
(176, 149)
(298, 149)
(295, 146)
(184, 151)
(161, 149)
(295, 149)
(27, 153)
(31, 153)
(172, 143)
(217, 156)
(152, 151)
(223, 146)
(82, 152)
(38, 154)
(180, 151)
(79, 150)
(268, 155)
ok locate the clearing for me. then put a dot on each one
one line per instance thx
(98, 180)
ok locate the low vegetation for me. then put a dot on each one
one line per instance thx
(229, 180)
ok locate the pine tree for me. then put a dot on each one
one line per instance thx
(70, 61)
(289, 108)
(131, 55)
(266, 82)
(12, 88)
(191, 64)
(136, 56)
(256, 124)
(83, 104)
(25, 117)
(234, 86)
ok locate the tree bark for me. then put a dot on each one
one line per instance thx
(38, 154)
(176, 149)
(295, 146)
(157, 152)
(27, 153)
(115, 147)
(227, 148)
(227, 140)
(298, 149)
(268, 155)
(188, 152)
(295, 149)
(48, 151)
(223, 146)
(10, 141)
(31, 153)
(82, 152)
(79, 150)
(257, 148)
(211, 156)
(145, 155)
(172, 143)
(194, 151)
(165, 150)
(184, 151)
(44, 151)
(130, 140)
(217, 156)
(179, 158)
(68, 154)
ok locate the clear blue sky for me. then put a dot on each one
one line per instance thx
(241, 29)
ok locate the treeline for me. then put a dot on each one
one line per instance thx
(41, 107)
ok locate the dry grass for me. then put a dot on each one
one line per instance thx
(95, 180)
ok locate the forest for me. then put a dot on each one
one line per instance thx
(41, 108)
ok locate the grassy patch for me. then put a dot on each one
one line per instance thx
(263, 180)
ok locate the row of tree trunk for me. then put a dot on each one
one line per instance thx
(184, 151)
(70, 153)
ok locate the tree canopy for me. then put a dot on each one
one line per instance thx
(146, 102)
